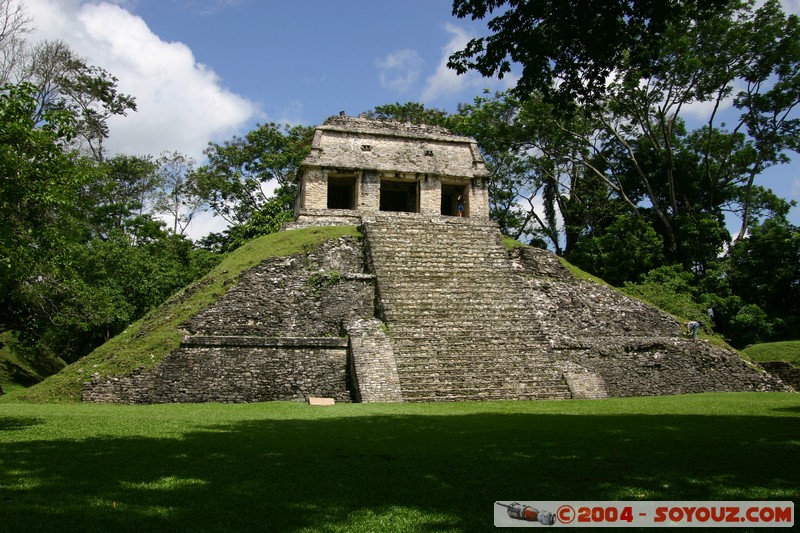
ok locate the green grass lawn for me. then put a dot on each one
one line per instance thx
(381, 467)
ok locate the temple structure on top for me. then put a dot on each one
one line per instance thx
(359, 166)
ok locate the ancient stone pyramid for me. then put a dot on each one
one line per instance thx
(425, 305)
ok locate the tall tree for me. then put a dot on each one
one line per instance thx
(568, 48)
(765, 269)
(241, 174)
(38, 200)
(124, 188)
(178, 197)
(66, 81)
(14, 25)
(642, 137)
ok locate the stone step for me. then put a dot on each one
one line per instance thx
(465, 347)
(423, 380)
(476, 394)
(449, 293)
(466, 306)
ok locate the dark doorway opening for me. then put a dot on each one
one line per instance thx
(341, 192)
(450, 194)
(399, 196)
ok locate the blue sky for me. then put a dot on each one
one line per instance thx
(297, 61)
(205, 70)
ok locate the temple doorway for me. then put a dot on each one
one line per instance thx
(341, 192)
(450, 194)
(399, 196)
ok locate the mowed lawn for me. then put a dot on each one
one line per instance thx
(381, 467)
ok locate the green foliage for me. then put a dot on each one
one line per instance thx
(240, 173)
(64, 81)
(179, 196)
(671, 289)
(380, 467)
(765, 268)
(38, 202)
(627, 249)
(410, 112)
(78, 259)
(270, 218)
(152, 337)
(701, 237)
(119, 192)
(750, 325)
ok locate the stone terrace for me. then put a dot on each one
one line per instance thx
(452, 302)
(469, 320)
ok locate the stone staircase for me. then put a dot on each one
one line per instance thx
(450, 297)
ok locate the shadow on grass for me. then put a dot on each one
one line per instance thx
(9, 423)
(19, 375)
(388, 473)
(787, 409)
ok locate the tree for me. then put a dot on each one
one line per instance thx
(14, 25)
(241, 174)
(568, 48)
(410, 112)
(765, 270)
(270, 218)
(66, 81)
(123, 188)
(639, 145)
(79, 260)
(178, 197)
(627, 249)
(771, 71)
(38, 199)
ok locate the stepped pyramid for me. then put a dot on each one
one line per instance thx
(427, 304)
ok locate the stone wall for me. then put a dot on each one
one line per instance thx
(307, 295)
(787, 372)
(430, 195)
(350, 142)
(478, 199)
(276, 335)
(313, 192)
(375, 150)
(372, 364)
(235, 370)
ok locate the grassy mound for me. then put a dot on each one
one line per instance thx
(152, 338)
(16, 372)
(788, 351)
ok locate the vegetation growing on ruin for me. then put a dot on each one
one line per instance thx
(150, 339)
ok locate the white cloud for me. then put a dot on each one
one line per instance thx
(400, 70)
(181, 103)
(445, 82)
